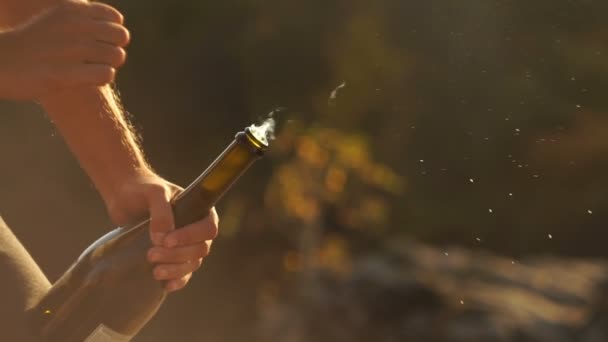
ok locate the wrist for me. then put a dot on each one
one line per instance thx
(113, 186)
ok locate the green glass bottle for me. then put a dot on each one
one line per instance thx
(109, 293)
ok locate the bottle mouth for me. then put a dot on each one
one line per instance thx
(259, 142)
(262, 134)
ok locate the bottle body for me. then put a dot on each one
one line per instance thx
(109, 293)
(110, 288)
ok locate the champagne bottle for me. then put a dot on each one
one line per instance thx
(109, 293)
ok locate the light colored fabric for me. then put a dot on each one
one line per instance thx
(22, 284)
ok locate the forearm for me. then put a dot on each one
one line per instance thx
(89, 118)
(92, 123)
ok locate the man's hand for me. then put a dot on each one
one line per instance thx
(176, 253)
(75, 43)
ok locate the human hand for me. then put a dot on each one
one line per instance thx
(176, 253)
(74, 43)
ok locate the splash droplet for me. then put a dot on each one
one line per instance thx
(334, 94)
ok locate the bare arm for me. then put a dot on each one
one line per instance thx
(88, 117)
(93, 125)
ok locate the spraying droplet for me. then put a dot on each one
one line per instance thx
(334, 94)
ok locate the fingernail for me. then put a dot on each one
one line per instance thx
(157, 238)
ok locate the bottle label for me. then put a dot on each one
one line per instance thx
(105, 334)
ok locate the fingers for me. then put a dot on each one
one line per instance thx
(110, 33)
(176, 271)
(89, 39)
(161, 214)
(158, 255)
(100, 11)
(178, 284)
(87, 74)
(197, 232)
(100, 53)
(183, 251)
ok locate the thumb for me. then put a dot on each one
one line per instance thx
(161, 214)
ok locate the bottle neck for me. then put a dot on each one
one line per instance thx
(202, 194)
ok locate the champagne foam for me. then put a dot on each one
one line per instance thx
(264, 133)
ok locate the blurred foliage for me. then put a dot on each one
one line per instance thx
(480, 124)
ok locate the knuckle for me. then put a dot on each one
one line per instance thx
(70, 4)
(120, 18)
(155, 194)
(119, 56)
(71, 8)
(203, 250)
(213, 231)
(155, 190)
(107, 75)
(100, 75)
(110, 13)
(178, 284)
(215, 219)
(124, 36)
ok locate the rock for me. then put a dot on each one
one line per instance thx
(414, 292)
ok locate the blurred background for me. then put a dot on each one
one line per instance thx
(439, 174)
